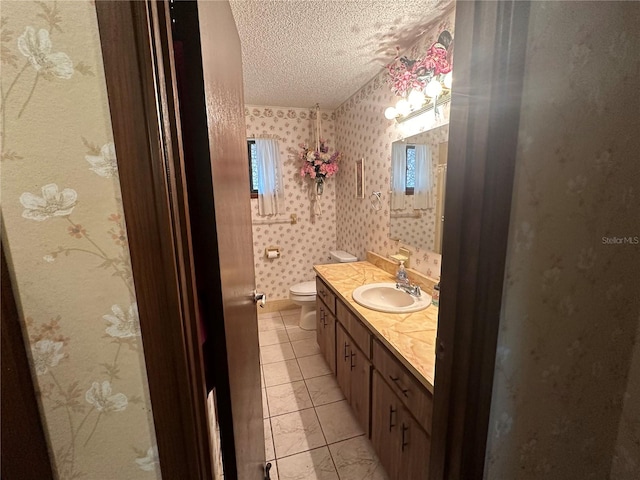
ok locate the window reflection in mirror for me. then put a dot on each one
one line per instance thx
(418, 173)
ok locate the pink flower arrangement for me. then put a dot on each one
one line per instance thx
(318, 164)
(406, 74)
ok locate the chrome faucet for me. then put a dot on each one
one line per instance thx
(411, 289)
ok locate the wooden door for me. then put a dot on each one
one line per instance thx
(190, 229)
(360, 386)
(385, 427)
(224, 252)
(491, 47)
(343, 361)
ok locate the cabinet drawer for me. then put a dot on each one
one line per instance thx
(326, 295)
(417, 399)
(354, 328)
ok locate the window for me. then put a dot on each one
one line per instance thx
(253, 168)
(411, 170)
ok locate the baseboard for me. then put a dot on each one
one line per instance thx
(277, 306)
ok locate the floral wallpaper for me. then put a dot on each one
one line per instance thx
(309, 241)
(66, 241)
(566, 390)
(421, 232)
(362, 131)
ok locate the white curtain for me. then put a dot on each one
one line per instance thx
(423, 190)
(270, 185)
(398, 175)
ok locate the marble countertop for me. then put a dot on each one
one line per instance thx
(411, 337)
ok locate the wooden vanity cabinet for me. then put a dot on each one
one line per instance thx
(398, 439)
(389, 402)
(414, 396)
(326, 334)
(353, 372)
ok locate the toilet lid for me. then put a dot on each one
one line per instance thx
(304, 288)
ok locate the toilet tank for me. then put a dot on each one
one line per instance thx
(340, 256)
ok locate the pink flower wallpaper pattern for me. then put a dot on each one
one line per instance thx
(566, 394)
(309, 241)
(362, 131)
(66, 240)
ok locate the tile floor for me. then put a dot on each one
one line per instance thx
(310, 431)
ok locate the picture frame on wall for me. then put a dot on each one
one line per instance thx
(359, 178)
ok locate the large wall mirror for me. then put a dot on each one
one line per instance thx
(418, 173)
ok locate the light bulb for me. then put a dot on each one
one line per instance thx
(433, 88)
(403, 107)
(448, 79)
(416, 99)
(390, 113)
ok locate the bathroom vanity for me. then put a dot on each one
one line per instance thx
(384, 364)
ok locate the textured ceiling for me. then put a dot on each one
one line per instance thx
(299, 53)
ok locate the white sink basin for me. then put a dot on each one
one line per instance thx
(385, 297)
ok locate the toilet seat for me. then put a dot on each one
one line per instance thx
(304, 289)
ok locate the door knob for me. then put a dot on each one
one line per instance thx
(259, 298)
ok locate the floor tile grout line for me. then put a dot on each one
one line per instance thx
(321, 405)
(299, 409)
(326, 445)
(305, 451)
(334, 460)
(273, 442)
(305, 380)
(307, 408)
(335, 465)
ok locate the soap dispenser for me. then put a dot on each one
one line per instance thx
(401, 275)
(435, 296)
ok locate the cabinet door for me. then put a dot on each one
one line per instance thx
(326, 334)
(360, 386)
(385, 427)
(415, 446)
(330, 341)
(320, 328)
(343, 361)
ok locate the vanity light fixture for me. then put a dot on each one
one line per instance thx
(433, 88)
(392, 113)
(448, 80)
(421, 82)
(435, 93)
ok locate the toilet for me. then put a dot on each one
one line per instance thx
(304, 294)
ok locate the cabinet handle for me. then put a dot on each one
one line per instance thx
(405, 429)
(346, 355)
(323, 317)
(353, 365)
(396, 380)
(391, 412)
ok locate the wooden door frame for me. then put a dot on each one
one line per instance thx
(137, 53)
(25, 451)
(491, 41)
